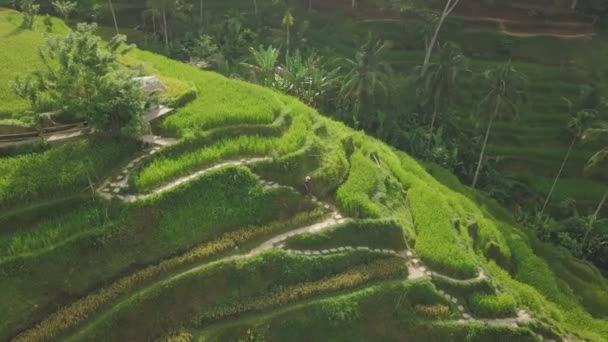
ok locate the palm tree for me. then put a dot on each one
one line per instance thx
(368, 75)
(445, 13)
(64, 8)
(306, 77)
(438, 80)
(288, 21)
(114, 16)
(577, 126)
(164, 7)
(264, 65)
(597, 162)
(430, 13)
(152, 14)
(505, 94)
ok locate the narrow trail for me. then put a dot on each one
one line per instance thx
(115, 187)
(80, 312)
(417, 270)
(86, 311)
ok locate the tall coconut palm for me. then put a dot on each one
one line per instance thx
(505, 94)
(597, 167)
(164, 7)
(288, 22)
(434, 13)
(577, 126)
(439, 80)
(368, 74)
(113, 16)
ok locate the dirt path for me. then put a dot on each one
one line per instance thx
(417, 270)
(114, 187)
(87, 307)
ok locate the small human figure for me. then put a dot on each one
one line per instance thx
(307, 184)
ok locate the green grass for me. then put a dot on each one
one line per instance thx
(50, 232)
(76, 250)
(140, 235)
(161, 170)
(221, 102)
(193, 156)
(248, 285)
(66, 170)
(360, 316)
(370, 233)
(500, 305)
(19, 55)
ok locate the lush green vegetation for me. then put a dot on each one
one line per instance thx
(361, 316)
(159, 228)
(369, 233)
(19, 55)
(245, 288)
(25, 179)
(76, 266)
(501, 305)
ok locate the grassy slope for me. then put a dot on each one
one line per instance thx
(361, 316)
(400, 189)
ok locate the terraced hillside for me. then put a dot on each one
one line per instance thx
(532, 147)
(214, 234)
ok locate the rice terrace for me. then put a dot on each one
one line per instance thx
(303, 170)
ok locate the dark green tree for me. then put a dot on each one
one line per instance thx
(367, 75)
(83, 79)
(577, 126)
(29, 10)
(65, 8)
(428, 11)
(438, 81)
(505, 93)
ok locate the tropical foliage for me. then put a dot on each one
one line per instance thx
(83, 80)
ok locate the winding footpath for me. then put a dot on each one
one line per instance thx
(417, 270)
(82, 312)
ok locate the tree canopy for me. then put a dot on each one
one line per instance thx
(83, 79)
